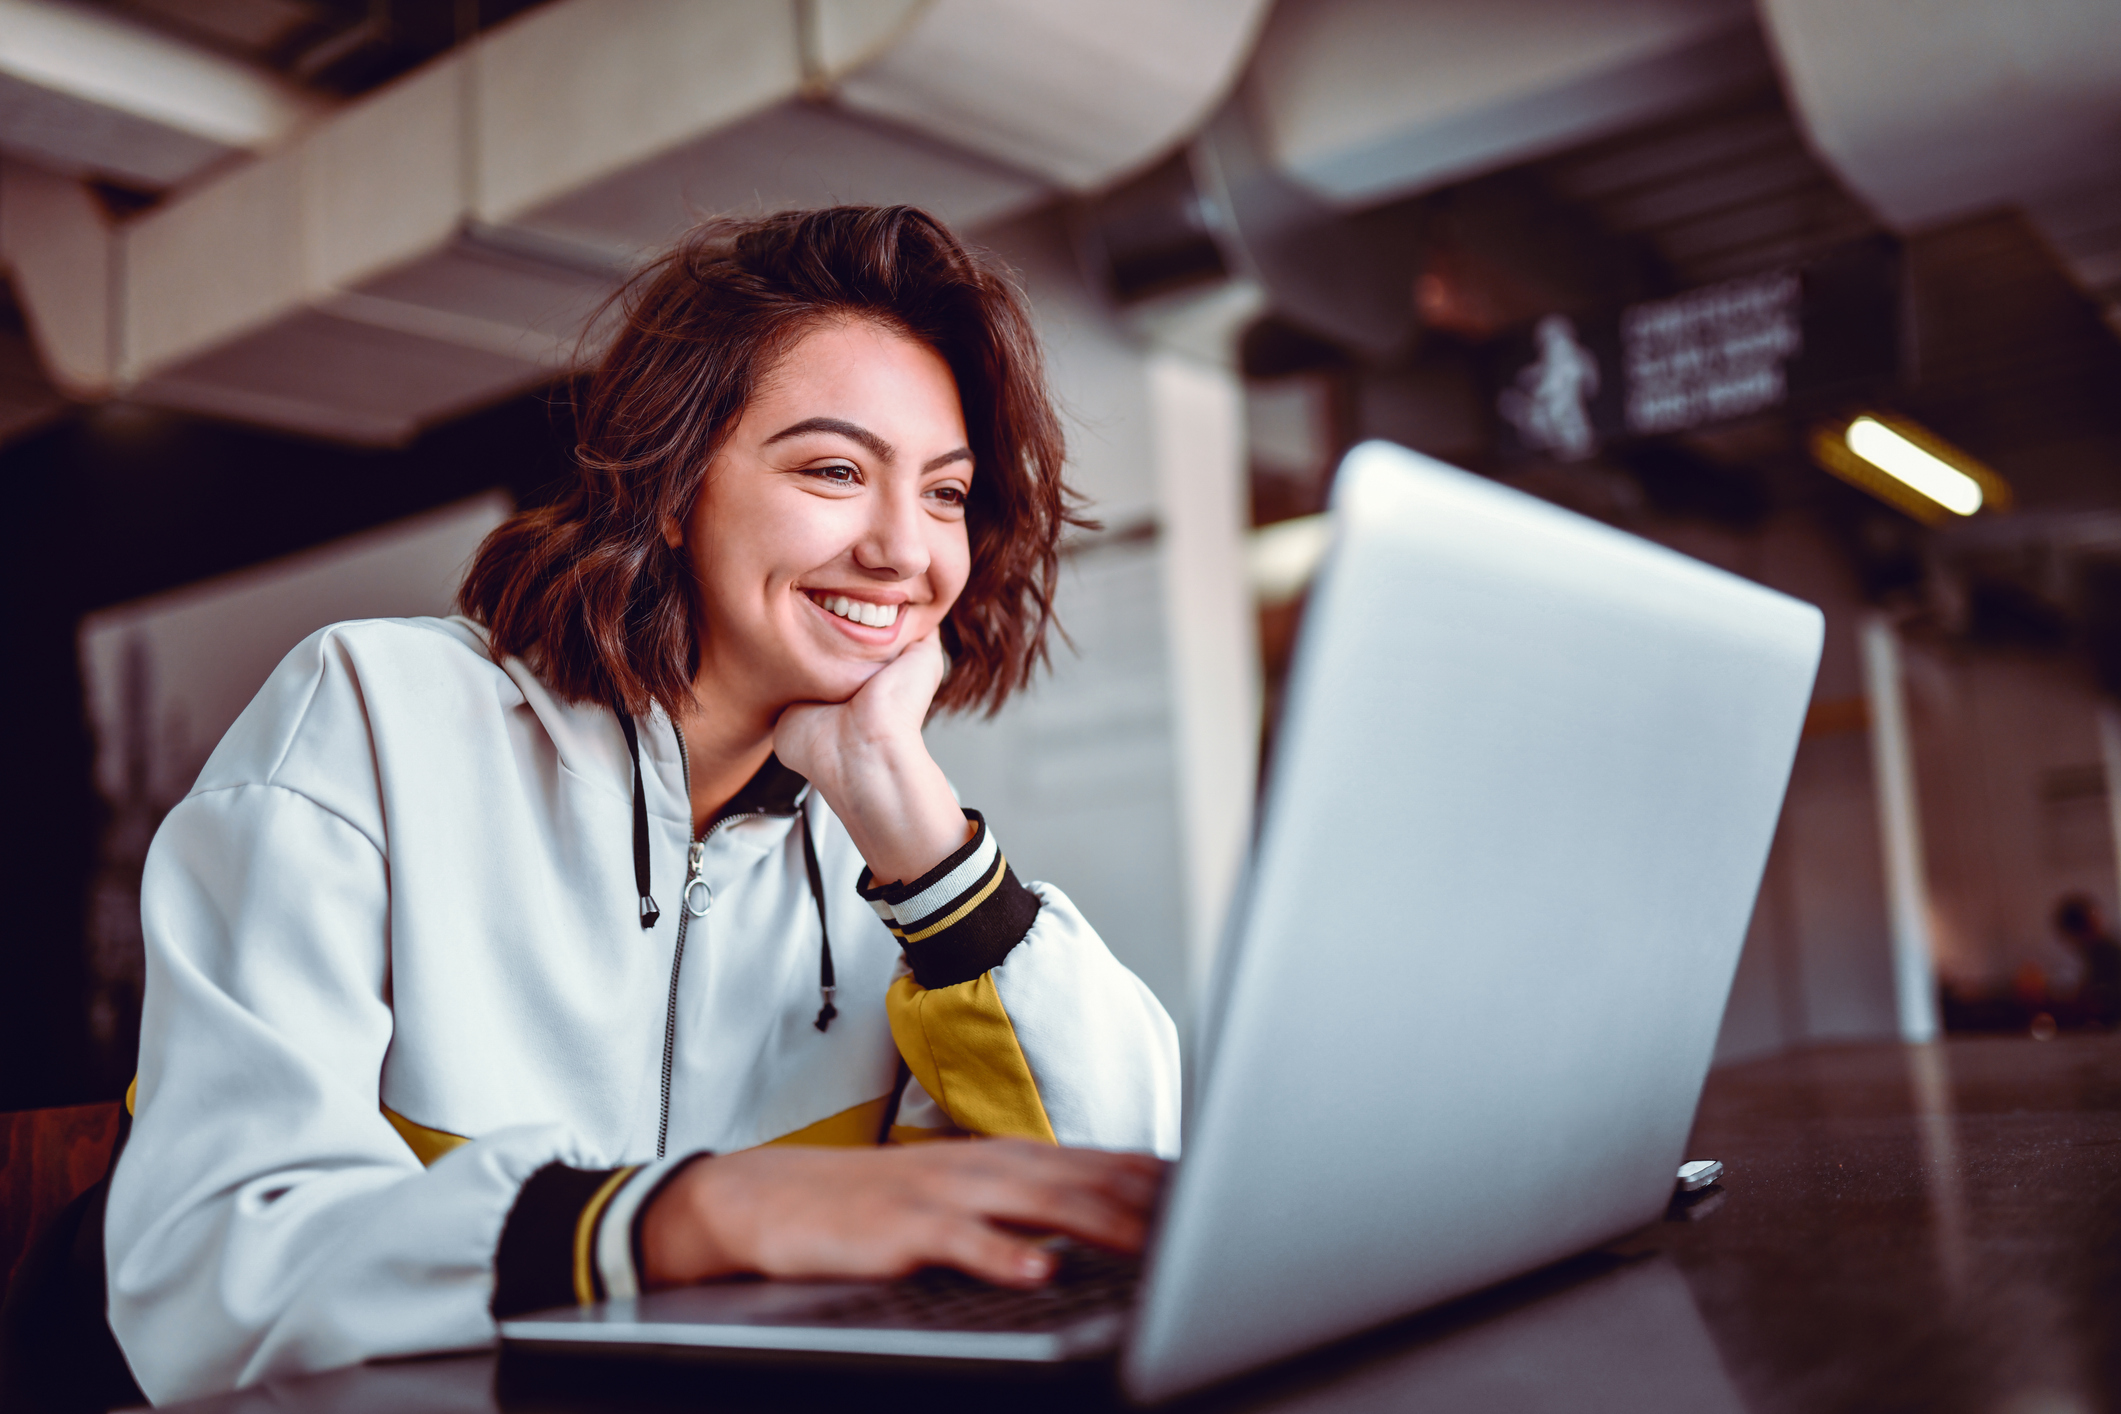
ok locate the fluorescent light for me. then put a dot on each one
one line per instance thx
(1908, 464)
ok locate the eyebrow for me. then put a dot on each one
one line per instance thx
(852, 431)
(855, 432)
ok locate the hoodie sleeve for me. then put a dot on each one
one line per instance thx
(267, 1218)
(1014, 1017)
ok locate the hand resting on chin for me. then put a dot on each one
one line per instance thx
(867, 758)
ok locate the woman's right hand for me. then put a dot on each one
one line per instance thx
(792, 1211)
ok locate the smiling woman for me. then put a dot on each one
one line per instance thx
(825, 557)
(707, 330)
(423, 1039)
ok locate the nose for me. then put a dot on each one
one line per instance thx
(893, 543)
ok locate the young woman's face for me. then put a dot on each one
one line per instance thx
(830, 532)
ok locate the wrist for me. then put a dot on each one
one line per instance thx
(681, 1239)
(897, 806)
(856, 763)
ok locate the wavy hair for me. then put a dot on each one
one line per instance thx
(585, 590)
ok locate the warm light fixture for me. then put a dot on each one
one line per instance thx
(1894, 455)
(1283, 558)
(1909, 467)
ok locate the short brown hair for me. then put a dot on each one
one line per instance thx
(587, 592)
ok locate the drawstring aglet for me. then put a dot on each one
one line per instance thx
(826, 1012)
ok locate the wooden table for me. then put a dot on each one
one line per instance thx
(1899, 1228)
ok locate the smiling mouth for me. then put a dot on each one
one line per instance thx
(857, 611)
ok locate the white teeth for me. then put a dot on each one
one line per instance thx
(872, 615)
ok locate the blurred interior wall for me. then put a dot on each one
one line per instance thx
(166, 676)
(113, 504)
(1079, 774)
(1818, 962)
(2012, 793)
(1126, 777)
(2015, 809)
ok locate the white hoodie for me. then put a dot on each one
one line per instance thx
(395, 973)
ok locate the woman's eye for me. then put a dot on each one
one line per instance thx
(838, 474)
(949, 495)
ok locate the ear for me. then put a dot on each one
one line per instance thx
(672, 536)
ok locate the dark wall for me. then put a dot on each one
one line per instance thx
(120, 501)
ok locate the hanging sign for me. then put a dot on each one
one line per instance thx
(1565, 387)
(1710, 355)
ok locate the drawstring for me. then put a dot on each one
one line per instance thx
(649, 912)
(825, 986)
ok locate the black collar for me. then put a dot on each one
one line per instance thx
(773, 789)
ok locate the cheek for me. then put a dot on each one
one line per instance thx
(747, 547)
(952, 568)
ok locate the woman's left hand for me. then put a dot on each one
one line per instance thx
(867, 757)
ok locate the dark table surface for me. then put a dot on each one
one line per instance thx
(1928, 1228)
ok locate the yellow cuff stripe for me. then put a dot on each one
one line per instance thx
(994, 881)
(585, 1236)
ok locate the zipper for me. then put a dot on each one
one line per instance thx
(695, 854)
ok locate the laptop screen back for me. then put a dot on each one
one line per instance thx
(1520, 808)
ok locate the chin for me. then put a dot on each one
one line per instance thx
(837, 682)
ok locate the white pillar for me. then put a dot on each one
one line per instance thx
(1196, 398)
(2110, 756)
(1900, 833)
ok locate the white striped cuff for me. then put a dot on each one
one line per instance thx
(614, 1240)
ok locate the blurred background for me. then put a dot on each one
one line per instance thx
(1826, 292)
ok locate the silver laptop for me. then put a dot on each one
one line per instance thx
(1519, 810)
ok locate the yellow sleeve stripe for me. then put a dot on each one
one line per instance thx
(426, 1144)
(854, 1126)
(960, 1045)
(994, 881)
(585, 1235)
(922, 1134)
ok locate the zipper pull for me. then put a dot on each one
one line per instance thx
(699, 894)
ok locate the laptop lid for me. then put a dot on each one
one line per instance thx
(1518, 813)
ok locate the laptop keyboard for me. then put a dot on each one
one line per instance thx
(1085, 1282)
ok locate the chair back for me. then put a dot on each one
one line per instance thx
(48, 1158)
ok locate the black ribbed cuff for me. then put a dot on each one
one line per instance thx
(534, 1265)
(980, 942)
(961, 918)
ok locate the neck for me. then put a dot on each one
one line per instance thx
(726, 741)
